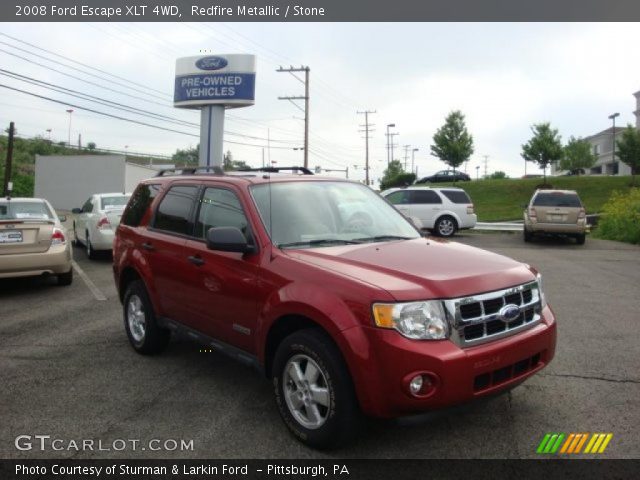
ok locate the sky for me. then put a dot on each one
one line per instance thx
(504, 77)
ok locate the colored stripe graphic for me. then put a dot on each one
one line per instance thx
(573, 443)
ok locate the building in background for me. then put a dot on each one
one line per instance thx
(68, 180)
(602, 146)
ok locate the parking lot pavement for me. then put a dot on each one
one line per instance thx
(68, 371)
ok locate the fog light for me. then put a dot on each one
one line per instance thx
(415, 386)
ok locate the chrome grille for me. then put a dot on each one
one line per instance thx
(476, 319)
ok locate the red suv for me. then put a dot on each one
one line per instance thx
(328, 290)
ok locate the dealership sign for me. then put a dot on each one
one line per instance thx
(228, 80)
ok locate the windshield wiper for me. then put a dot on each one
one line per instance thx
(320, 241)
(382, 238)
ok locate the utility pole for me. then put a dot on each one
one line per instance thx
(366, 131)
(389, 139)
(486, 164)
(7, 168)
(306, 71)
(406, 155)
(413, 159)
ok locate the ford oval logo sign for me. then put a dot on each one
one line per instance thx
(509, 313)
(211, 63)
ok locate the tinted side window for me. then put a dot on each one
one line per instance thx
(398, 198)
(424, 196)
(139, 204)
(220, 208)
(174, 211)
(456, 196)
(557, 200)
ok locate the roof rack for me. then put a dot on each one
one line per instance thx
(215, 169)
(303, 170)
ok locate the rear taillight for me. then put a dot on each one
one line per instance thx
(57, 238)
(582, 214)
(532, 213)
(470, 209)
(103, 224)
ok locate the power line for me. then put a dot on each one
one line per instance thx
(127, 119)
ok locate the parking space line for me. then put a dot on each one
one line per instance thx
(92, 286)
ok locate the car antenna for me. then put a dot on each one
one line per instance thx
(268, 177)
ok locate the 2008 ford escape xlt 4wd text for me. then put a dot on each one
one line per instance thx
(330, 291)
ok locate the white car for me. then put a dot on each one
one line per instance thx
(96, 222)
(444, 211)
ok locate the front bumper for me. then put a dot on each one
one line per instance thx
(56, 260)
(463, 374)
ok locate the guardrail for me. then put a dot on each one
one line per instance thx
(499, 226)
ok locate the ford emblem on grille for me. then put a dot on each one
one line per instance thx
(509, 313)
(211, 63)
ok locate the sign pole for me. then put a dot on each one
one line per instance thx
(211, 136)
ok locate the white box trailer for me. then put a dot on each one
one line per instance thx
(67, 181)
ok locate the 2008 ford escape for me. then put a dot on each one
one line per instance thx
(330, 291)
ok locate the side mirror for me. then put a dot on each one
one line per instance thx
(76, 210)
(228, 239)
(62, 218)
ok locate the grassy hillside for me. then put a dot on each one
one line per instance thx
(497, 200)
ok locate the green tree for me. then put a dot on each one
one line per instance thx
(91, 146)
(628, 150)
(577, 155)
(544, 147)
(498, 175)
(230, 164)
(452, 143)
(395, 176)
(188, 156)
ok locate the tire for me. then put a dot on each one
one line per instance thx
(331, 419)
(144, 334)
(91, 253)
(580, 239)
(65, 279)
(445, 226)
(527, 235)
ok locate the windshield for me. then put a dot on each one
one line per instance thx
(17, 210)
(316, 214)
(115, 201)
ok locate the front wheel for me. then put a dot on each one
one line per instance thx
(445, 226)
(314, 391)
(145, 336)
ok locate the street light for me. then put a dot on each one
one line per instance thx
(613, 148)
(48, 130)
(388, 143)
(477, 172)
(413, 157)
(69, 111)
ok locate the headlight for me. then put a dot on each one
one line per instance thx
(543, 300)
(416, 320)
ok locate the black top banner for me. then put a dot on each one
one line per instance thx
(318, 10)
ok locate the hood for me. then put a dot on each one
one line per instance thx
(420, 269)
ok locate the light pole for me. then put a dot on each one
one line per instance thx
(613, 147)
(388, 142)
(477, 172)
(48, 130)
(69, 111)
(413, 158)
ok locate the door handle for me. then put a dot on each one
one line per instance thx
(197, 261)
(147, 246)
